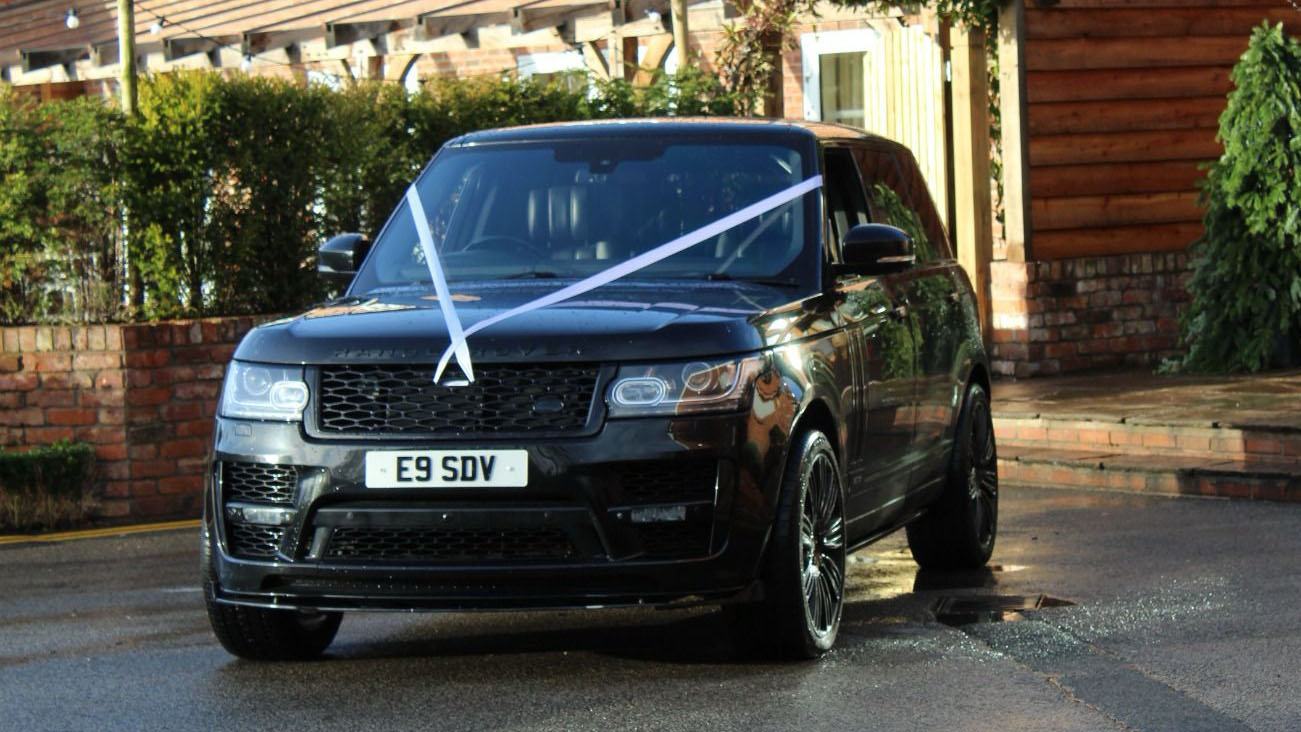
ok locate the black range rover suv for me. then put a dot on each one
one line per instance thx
(719, 422)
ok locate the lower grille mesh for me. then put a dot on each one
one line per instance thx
(254, 542)
(678, 540)
(447, 545)
(666, 482)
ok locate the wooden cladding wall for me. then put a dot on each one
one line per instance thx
(1123, 103)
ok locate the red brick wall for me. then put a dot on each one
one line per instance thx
(68, 382)
(1075, 314)
(143, 394)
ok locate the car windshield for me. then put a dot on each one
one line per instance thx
(572, 208)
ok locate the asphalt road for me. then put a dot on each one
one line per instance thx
(1185, 618)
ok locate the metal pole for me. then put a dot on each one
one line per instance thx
(678, 9)
(126, 54)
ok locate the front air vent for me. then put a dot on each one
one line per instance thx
(258, 482)
(447, 545)
(254, 542)
(669, 481)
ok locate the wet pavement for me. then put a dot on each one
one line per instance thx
(1268, 400)
(1183, 618)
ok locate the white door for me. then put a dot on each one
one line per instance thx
(890, 83)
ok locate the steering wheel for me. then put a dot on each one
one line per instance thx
(502, 242)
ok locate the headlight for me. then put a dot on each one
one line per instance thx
(263, 391)
(717, 385)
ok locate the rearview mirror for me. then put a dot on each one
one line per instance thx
(339, 258)
(877, 249)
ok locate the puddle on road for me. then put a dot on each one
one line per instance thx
(956, 597)
(958, 610)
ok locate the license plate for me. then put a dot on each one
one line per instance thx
(447, 468)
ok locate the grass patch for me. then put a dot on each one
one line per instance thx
(46, 487)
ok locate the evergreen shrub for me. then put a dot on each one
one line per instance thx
(1246, 280)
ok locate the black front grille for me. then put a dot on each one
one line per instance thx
(259, 482)
(447, 544)
(666, 482)
(675, 540)
(503, 399)
(254, 542)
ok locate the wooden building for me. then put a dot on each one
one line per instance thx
(1110, 110)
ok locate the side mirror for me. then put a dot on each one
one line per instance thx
(338, 258)
(877, 249)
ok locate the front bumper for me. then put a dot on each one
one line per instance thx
(644, 512)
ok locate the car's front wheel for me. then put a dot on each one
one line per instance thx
(265, 634)
(804, 572)
(958, 531)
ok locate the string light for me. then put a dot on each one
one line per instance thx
(157, 26)
(72, 21)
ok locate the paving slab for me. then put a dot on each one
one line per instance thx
(1259, 401)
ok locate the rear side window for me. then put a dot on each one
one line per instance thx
(898, 196)
(846, 206)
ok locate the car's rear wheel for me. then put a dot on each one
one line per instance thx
(958, 532)
(264, 634)
(804, 571)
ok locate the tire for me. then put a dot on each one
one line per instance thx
(804, 570)
(958, 532)
(264, 634)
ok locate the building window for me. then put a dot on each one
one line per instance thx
(562, 67)
(834, 77)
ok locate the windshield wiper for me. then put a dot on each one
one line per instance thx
(771, 281)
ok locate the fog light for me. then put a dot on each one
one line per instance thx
(658, 514)
(260, 515)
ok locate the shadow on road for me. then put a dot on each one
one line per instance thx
(881, 591)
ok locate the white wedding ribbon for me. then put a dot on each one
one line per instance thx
(458, 346)
(462, 349)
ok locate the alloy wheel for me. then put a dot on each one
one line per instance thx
(982, 472)
(822, 544)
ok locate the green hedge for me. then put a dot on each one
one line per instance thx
(45, 487)
(223, 187)
(60, 200)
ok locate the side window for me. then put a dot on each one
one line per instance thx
(846, 206)
(899, 198)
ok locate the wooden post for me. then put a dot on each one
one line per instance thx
(1016, 131)
(678, 11)
(774, 101)
(627, 55)
(973, 220)
(126, 54)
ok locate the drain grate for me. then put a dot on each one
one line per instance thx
(968, 609)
